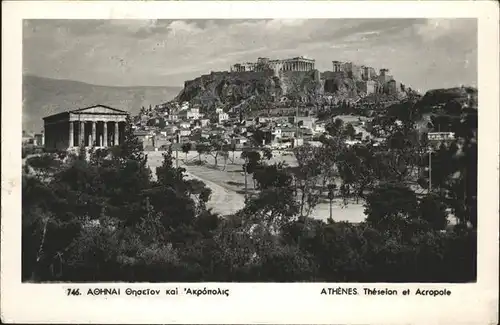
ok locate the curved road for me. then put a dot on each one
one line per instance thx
(222, 200)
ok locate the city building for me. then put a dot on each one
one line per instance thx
(288, 132)
(204, 122)
(184, 132)
(276, 133)
(303, 121)
(99, 125)
(172, 117)
(190, 114)
(440, 136)
(222, 117)
(144, 136)
(39, 139)
(319, 128)
(27, 138)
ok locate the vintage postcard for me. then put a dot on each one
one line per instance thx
(250, 162)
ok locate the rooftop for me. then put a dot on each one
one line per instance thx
(96, 109)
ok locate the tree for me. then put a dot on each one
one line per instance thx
(201, 148)
(349, 131)
(432, 209)
(391, 206)
(356, 168)
(44, 165)
(275, 204)
(258, 137)
(225, 154)
(307, 176)
(215, 146)
(186, 147)
(131, 148)
(335, 128)
(253, 162)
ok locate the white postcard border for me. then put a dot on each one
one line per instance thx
(251, 303)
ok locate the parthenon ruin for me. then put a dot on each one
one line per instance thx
(95, 126)
(300, 63)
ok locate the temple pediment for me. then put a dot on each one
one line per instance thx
(99, 109)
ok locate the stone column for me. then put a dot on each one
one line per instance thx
(105, 134)
(81, 134)
(94, 139)
(71, 135)
(117, 130)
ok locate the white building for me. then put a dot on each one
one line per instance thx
(441, 136)
(190, 114)
(319, 128)
(276, 133)
(223, 117)
(172, 117)
(204, 122)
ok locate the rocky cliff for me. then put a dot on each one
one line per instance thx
(234, 87)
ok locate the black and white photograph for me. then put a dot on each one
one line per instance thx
(249, 150)
(250, 162)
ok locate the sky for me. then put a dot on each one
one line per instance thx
(422, 53)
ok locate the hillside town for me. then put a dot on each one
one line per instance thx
(284, 123)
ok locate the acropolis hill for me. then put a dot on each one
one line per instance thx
(288, 79)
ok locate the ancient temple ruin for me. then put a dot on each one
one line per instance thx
(95, 126)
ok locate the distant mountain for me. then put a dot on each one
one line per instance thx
(45, 96)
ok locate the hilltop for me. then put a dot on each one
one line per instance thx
(45, 96)
(238, 89)
(446, 98)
